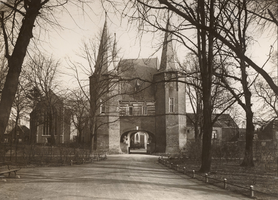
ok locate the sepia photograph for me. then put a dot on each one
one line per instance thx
(139, 99)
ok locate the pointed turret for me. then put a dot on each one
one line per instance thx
(102, 57)
(115, 57)
(168, 55)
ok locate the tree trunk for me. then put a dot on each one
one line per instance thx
(206, 66)
(15, 62)
(206, 147)
(51, 126)
(248, 154)
(93, 137)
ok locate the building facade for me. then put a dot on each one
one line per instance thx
(50, 120)
(224, 129)
(144, 103)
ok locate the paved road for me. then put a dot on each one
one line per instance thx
(120, 177)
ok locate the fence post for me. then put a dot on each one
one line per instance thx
(184, 168)
(193, 173)
(225, 183)
(177, 167)
(206, 178)
(251, 191)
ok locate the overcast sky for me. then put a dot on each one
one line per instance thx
(79, 27)
(67, 42)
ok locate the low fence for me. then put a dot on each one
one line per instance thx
(22, 155)
(248, 190)
(265, 153)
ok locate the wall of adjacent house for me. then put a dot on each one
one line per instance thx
(229, 133)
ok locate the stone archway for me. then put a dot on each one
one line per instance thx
(137, 141)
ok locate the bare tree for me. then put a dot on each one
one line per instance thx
(101, 67)
(194, 93)
(18, 19)
(80, 109)
(20, 111)
(269, 100)
(212, 22)
(42, 77)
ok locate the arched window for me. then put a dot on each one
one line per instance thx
(214, 134)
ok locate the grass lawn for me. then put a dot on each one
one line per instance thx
(263, 177)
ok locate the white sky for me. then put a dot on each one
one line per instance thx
(66, 43)
(78, 28)
(88, 26)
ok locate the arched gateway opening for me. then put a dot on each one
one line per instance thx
(138, 142)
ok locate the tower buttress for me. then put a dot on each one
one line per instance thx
(170, 100)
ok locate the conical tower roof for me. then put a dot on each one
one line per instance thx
(102, 57)
(168, 54)
(115, 57)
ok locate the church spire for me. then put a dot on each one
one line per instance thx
(168, 55)
(102, 57)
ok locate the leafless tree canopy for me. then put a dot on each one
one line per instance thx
(18, 18)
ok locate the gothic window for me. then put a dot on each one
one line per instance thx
(55, 121)
(214, 134)
(46, 125)
(171, 105)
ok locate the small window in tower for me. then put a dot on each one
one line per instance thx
(144, 110)
(102, 107)
(130, 110)
(171, 105)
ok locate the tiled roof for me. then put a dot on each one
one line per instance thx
(223, 121)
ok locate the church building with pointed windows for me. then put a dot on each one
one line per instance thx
(139, 105)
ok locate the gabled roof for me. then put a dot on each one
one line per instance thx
(21, 128)
(143, 68)
(137, 77)
(223, 121)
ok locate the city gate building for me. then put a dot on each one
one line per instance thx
(144, 106)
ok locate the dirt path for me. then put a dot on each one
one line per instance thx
(120, 177)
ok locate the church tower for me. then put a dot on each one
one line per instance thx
(104, 99)
(170, 101)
